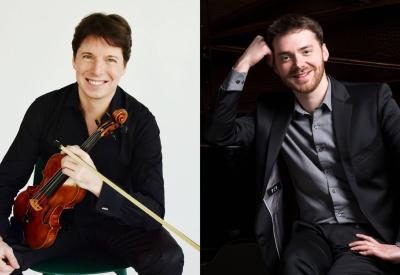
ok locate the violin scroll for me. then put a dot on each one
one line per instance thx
(120, 116)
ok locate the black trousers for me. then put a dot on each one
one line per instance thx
(323, 249)
(148, 253)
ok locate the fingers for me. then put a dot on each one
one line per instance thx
(5, 268)
(12, 260)
(68, 166)
(80, 153)
(79, 173)
(358, 243)
(365, 240)
(257, 50)
(8, 261)
(368, 246)
(362, 247)
(366, 237)
(68, 172)
(365, 248)
(69, 162)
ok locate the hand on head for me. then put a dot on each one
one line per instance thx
(256, 51)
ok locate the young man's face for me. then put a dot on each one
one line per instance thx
(299, 60)
(98, 67)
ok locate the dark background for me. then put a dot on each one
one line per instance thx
(363, 39)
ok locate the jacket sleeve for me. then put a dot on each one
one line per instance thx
(17, 165)
(390, 123)
(224, 126)
(145, 183)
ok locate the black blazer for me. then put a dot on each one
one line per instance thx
(366, 123)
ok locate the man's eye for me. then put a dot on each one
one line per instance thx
(86, 56)
(307, 52)
(112, 60)
(284, 58)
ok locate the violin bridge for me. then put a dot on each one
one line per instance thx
(35, 204)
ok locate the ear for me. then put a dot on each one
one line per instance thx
(325, 52)
(73, 62)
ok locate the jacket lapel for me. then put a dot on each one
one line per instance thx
(282, 117)
(341, 118)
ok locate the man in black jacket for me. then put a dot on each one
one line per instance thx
(103, 222)
(336, 141)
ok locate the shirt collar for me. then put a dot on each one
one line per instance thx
(327, 101)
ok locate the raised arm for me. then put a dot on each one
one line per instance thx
(224, 127)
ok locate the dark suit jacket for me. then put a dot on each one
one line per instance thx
(366, 123)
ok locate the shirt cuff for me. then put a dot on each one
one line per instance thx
(234, 81)
(109, 201)
(397, 244)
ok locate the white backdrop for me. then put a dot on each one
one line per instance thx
(163, 74)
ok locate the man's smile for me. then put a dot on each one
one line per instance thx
(95, 82)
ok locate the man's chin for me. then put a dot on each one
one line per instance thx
(305, 88)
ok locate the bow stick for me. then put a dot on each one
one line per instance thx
(130, 198)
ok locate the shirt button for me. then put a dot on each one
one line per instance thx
(320, 148)
(333, 190)
(316, 126)
(237, 81)
(339, 213)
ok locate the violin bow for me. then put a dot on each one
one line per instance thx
(149, 212)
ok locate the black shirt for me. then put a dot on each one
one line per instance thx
(131, 158)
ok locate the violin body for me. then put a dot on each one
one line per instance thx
(39, 207)
(41, 216)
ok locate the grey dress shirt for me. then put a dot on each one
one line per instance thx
(309, 149)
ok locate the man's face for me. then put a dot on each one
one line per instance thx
(98, 67)
(299, 60)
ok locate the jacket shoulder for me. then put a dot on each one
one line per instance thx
(359, 92)
(362, 89)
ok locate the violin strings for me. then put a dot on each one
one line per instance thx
(59, 178)
(55, 181)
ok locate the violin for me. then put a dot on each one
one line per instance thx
(39, 207)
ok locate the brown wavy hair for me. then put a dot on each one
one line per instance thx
(113, 28)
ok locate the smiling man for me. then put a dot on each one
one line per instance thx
(335, 141)
(103, 222)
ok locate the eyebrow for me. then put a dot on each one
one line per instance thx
(113, 56)
(302, 48)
